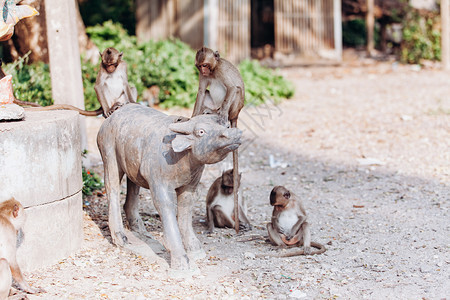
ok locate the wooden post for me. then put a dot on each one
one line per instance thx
(445, 35)
(64, 57)
(337, 19)
(370, 25)
(211, 14)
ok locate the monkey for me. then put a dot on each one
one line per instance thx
(12, 219)
(289, 226)
(226, 92)
(151, 95)
(220, 204)
(111, 85)
(5, 279)
(37, 107)
(225, 97)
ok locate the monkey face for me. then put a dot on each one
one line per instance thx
(279, 196)
(205, 69)
(111, 68)
(206, 61)
(227, 190)
(110, 59)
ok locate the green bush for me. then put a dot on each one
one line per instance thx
(168, 64)
(261, 83)
(421, 37)
(354, 33)
(30, 82)
(91, 182)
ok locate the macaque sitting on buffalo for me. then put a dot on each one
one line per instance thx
(220, 204)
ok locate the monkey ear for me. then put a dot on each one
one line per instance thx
(287, 195)
(120, 54)
(100, 54)
(217, 55)
(181, 143)
(15, 210)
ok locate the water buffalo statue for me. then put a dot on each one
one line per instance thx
(167, 155)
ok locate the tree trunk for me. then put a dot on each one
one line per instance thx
(30, 34)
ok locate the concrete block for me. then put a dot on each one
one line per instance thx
(40, 158)
(40, 166)
(52, 232)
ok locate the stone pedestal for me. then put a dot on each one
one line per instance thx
(40, 166)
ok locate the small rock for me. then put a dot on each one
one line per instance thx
(297, 294)
(406, 118)
(11, 112)
(249, 255)
(425, 269)
(370, 162)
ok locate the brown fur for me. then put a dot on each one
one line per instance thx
(286, 206)
(113, 71)
(12, 219)
(212, 67)
(216, 215)
(225, 97)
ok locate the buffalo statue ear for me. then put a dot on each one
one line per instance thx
(181, 143)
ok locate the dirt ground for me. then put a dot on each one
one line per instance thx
(366, 145)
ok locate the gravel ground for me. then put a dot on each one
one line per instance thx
(365, 145)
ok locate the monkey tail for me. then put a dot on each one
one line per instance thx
(25, 103)
(67, 107)
(321, 249)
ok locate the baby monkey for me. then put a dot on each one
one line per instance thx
(12, 219)
(220, 204)
(289, 226)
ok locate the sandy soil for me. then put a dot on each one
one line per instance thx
(367, 148)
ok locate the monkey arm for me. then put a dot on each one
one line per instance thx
(297, 226)
(210, 196)
(132, 97)
(210, 218)
(102, 99)
(274, 235)
(203, 84)
(242, 216)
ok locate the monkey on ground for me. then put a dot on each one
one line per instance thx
(225, 97)
(220, 204)
(111, 85)
(289, 226)
(37, 107)
(12, 219)
(5, 279)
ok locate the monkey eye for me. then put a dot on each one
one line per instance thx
(200, 132)
(205, 66)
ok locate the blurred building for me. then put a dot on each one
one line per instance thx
(242, 29)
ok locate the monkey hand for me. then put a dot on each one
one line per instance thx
(245, 226)
(223, 117)
(288, 240)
